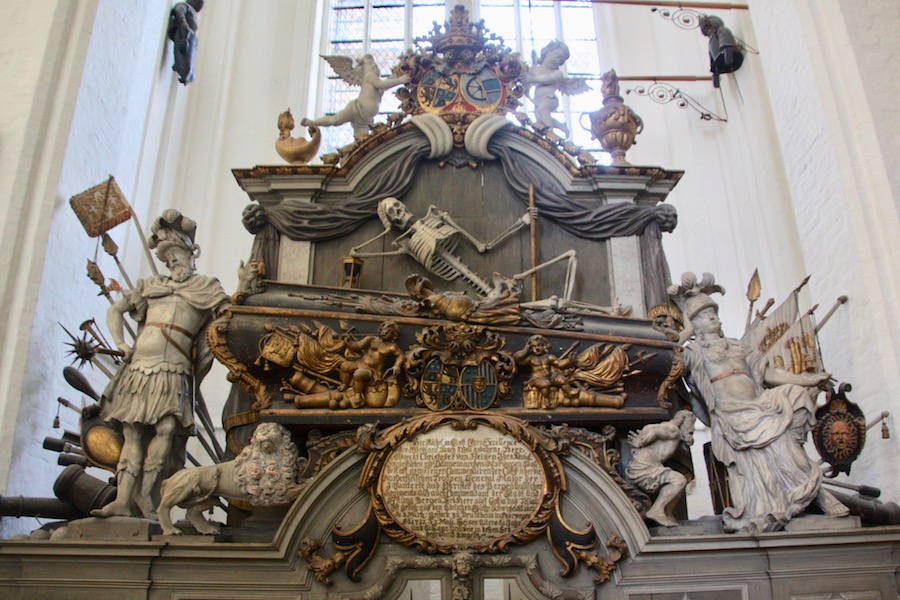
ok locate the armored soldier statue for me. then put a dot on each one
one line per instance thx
(151, 397)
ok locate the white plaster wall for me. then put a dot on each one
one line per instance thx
(829, 134)
(41, 54)
(872, 31)
(112, 55)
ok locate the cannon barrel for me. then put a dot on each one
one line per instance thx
(60, 445)
(50, 508)
(64, 460)
(82, 490)
(870, 510)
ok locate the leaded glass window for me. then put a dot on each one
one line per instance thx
(386, 28)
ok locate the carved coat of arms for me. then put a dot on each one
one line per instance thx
(459, 367)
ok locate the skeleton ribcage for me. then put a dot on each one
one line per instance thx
(431, 241)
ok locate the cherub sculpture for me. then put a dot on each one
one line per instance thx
(654, 445)
(549, 373)
(368, 360)
(432, 241)
(547, 77)
(359, 112)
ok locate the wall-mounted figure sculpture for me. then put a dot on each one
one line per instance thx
(759, 418)
(726, 53)
(653, 445)
(432, 242)
(183, 25)
(151, 397)
(547, 78)
(359, 112)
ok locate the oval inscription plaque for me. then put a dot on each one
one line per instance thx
(462, 487)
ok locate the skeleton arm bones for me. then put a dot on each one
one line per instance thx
(479, 245)
(355, 253)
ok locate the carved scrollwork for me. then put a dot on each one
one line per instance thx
(321, 567)
(460, 439)
(605, 565)
(675, 373)
(237, 372)
(573, 547)
(599, 448)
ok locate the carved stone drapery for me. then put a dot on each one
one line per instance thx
(316, 222)
(312, 222)
(598, 222)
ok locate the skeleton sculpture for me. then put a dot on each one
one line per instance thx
(432, 242)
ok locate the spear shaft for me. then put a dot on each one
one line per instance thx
(841, 300)
(531, 209)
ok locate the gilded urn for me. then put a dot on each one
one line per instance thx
(615, 125)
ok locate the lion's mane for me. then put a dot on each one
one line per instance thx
(266, 477)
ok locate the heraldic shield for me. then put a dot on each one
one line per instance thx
(459, 367)
(447, 386)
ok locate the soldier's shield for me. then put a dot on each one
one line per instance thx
(478, 385)
(439, 384)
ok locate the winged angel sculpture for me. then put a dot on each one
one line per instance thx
(547, 77)
(359, 112)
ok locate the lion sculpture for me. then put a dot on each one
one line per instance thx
(264, 474)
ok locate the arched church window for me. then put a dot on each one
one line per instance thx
(385, 28)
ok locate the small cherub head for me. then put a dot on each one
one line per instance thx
(539, 345)
(389, 331)
(555, 50)
(463, 564)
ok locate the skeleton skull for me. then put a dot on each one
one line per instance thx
(393, 212)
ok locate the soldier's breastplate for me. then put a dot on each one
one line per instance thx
(168, 334)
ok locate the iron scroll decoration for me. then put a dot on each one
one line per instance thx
(357, 544)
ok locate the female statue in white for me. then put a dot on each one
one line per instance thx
(759, 418)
